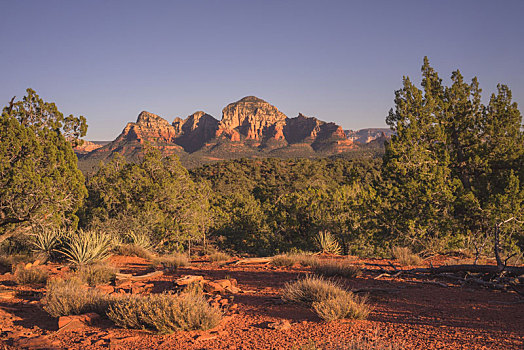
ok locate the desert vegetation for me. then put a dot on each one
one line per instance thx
(449, 181)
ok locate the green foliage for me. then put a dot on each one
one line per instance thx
(96, 274)
(155, 197)
(328, 243)
(31, 275)
(164, 313)
(268, 206)
(453, 171)
(40, 185)
(86, 247)
(72, 297)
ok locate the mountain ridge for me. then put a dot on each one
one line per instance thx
(249, 127)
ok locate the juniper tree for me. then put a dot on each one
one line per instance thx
(40, 184)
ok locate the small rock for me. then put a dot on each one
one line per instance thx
(281, 325)
(233, 290)
(224, 283)
(77, 321)
(213, 288)
(188, 279)
(40, 342)
(6, 294)
(223, 302)
(106, 289)
(206, 337)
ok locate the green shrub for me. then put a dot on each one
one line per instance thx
(328, 244)
(97, 274)
(85, 247)
(135, 250)
(336, 268)
(172, 262)
(344, 305)
(72, 297)
(219, 256)
(311, 289)
(30, 275)
(164, 313)
(405, 257)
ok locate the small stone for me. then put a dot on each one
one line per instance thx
(281, 325)
(39, 342)
(224, 283)
(223, 302)
(7, 294)
(188, 279)
(205, 337)
(213, 288)
(105, 289)
(233, 290)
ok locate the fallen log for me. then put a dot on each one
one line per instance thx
(513, 270)
(128, 276)
(247, 261)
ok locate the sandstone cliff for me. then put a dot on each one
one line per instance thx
(249, 127)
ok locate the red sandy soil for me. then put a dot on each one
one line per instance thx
(418, 315)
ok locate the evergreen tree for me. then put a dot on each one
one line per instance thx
(40, 184)
(155, 196)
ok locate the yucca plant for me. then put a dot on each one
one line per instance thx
(328, 243)
(138, 239)
(85, 247)
(46, 241)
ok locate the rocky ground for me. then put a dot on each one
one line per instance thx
(409, 313)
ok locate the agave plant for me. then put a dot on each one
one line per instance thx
(328, 243)
(46, 241)
(139, 239)
(85, 247)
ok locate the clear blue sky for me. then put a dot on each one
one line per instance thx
(336, 60)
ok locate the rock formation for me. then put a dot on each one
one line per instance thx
(249, 127)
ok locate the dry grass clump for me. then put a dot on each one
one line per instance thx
(283, 260)
(135, 250)
(327, 298)
(172, 262)
(72, 297)
(286, 260)
(32, 275)
(345, 305)
(331, 268)
(311, 289)
(219, 257)
(97, 274)
(405, 256)
(164, 313)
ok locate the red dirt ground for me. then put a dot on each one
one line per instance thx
(417, 316)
